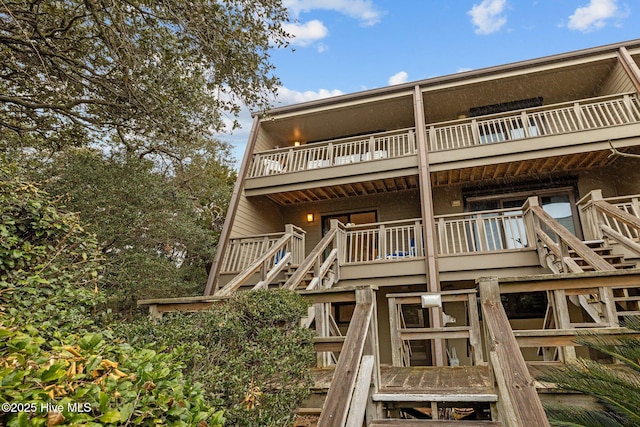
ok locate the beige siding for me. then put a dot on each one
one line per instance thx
(256, 215)
(620, 179)
(617, 82)
(264, 142)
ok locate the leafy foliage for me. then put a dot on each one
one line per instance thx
(49, 265)
(157, 235)
(95, 381)
(250, 354)
(617, 386)
(142, 74)
(51, 349)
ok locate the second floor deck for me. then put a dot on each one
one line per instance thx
(580, 126)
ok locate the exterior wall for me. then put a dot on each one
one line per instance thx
(617, 82)
(389, 207)
(445, 197)
(264, 142)
(621, 179)
(256, 215)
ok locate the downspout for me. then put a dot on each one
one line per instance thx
(428, 221)
(233, 208)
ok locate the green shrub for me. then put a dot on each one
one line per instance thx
(250, 354)
(57, 366)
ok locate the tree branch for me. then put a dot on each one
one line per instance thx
(616, 152)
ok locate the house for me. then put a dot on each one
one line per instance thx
(454, 234)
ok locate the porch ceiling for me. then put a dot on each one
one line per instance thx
(525, 168)
(378, 186)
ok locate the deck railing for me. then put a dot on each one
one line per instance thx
(383, 241)
(616, 218)
(337, 152)
(243, 251)
(483, 231)
(586, 114)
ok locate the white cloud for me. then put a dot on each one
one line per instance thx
(288, 96)
(593, 16)
(362, 10)
(487, 16)
(398, 78)
(305, 34)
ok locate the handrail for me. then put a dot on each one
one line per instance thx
(519, 401)
(241, 278)
(369, 147)
(311, 260)
(339, 404)
(554, 119)
(401, 334)
(567, 240)
(613, 217)
(482, 231)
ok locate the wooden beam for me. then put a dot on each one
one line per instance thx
(361, 393)
(515, 383)
(428, 220)
(336, 405)
(630, 67)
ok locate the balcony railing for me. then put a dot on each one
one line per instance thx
(392, 240)
(334, 153)
(243, 251)
(586, 114)
(484, 231)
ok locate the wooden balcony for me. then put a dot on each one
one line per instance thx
(339, 152)
(557, 119)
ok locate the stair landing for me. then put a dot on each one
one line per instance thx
(436, 384)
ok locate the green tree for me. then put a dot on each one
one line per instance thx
(615, 386)
(157, 231)
(52, 350)
(145, 76)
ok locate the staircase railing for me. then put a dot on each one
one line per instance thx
(555, 254)
(616, 218)
(519, 404)
(270, 263)
(540, 223)
(356, 374)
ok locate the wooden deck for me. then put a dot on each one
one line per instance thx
(426, 383)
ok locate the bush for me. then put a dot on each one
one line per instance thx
(250, 354)
(57, 366)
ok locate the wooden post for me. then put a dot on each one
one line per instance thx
(518, 401)
(428, 221)
(394, 326)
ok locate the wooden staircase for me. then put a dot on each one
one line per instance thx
(605, 252)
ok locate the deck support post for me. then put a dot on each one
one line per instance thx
(426, 198)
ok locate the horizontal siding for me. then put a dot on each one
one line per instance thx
(264, 142)
(256, 216)
(618, 82)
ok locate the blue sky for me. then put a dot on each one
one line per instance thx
(345, 46)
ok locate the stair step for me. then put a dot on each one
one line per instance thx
(442, 423)
(629, 298)
(628, 313)
(433, 397)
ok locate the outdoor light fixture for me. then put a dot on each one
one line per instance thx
(310, 217)
(296, 144)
